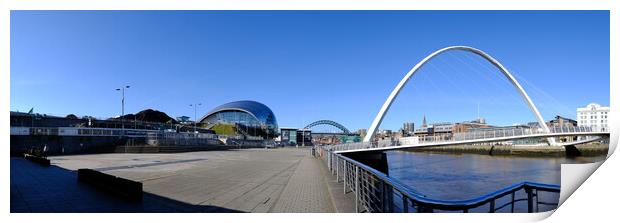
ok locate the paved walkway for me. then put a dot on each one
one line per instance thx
(306, 190)
(249, 180)
(56, 190)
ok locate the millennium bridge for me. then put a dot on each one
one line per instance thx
(375, 191)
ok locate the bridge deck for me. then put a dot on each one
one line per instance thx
(482, 140)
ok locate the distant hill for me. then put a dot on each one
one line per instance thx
(150, 115)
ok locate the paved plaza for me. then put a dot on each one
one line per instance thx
(246, 180)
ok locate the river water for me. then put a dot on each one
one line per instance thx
(465, 176)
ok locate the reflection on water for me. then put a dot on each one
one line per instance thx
(464, 176)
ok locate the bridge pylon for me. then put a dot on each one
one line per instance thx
(386, 105)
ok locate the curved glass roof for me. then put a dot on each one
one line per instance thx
(257, 109)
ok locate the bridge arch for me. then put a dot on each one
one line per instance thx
(386, 105)
(328, 122)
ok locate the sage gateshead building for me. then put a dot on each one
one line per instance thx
(248, 118)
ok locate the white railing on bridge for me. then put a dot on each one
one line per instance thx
(464, 136)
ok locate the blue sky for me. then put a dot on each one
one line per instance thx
(309, 65)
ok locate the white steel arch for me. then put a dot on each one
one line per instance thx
(386, 106)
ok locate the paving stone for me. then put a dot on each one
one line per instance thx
(247, 180)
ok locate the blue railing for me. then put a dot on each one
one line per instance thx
(377, 192)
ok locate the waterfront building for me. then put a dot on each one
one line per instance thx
(350, 139)
(184, 120)
(560, 121)
(439, 128)
(533, 124)
(288, 136)
(304, 137)
(497, 128)
(384, 134)
(408, 128)
(295, 136)
(424, 129)
(326, 139)
(361, 132)
(594, 116)
(442, 128)
(516, 127)
(466, 125)
(248, 118)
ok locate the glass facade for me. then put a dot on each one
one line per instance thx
(288, 136)
(249, 118)
(304, 137)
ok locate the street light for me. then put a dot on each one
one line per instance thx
(122, 89)
(195, 119)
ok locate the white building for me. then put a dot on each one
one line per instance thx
(594, 116)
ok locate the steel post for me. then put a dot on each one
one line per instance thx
(337, 167)
(512, 206)
(357, 189)
(344, 176)
(390, 198)
(530, 204)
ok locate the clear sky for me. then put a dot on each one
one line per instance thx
(309, 65)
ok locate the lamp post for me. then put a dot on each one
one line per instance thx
(122, 89)
(195, 117)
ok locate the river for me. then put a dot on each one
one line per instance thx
(465, 176)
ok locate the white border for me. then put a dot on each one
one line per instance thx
(596, 200)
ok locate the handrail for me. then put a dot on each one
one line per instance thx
(482, 136)
(424, 203)
(382, 176)
(451, 204)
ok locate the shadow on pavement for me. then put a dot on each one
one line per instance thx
(37, 189)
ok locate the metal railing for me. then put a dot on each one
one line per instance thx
(500, 133)
(181, 139)
(376, 192)
(456, 137)
(80, 131)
